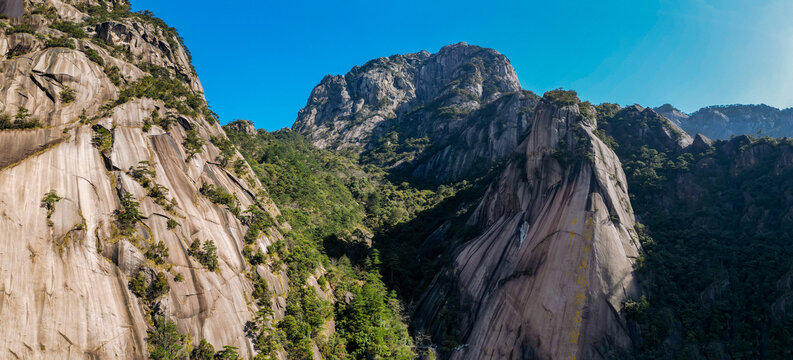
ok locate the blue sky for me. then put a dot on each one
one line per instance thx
(259, 60)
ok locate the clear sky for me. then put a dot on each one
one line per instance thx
(259, 59)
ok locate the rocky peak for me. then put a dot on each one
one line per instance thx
(243, 126)
(555, 258)
(432, 100)
(700, 144)
(344, 112)
(636, 126)
(670, 112)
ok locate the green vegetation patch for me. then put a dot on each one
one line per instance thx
(561, 97)
(22, 120)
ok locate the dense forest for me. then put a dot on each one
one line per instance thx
(716, 234)
(358, 227)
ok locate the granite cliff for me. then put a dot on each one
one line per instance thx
(548, 275)
(427, 188)
(110, 173)
(436, 116)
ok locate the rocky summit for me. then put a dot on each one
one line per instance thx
(422, 206)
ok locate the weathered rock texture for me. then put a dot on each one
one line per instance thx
(63, 287)
(448, 101)
(547, 277)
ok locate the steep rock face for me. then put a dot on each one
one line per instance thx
(547, 277)
(64, 272)
(484, 137)
(36, 81)
(420, 95)
(670, 112)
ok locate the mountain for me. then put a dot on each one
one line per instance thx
(715, 233)
(670, 112)
(124, 227)
(554, 263)
(725, 121)
(482, 272)
(422, 206)
(429, 114)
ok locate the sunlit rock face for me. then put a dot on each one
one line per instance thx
(464, 105)
(547, 277)
(64, 271)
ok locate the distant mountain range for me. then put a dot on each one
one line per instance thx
(725, 121)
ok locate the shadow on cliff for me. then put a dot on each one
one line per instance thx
(414, 252)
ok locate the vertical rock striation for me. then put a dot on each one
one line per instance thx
(547, 277)
(64, 271)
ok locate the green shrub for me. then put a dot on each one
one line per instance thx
(370, 324)
(204, 351)
(158, 193)
(67, 95)
(70, 28)
(63, 42)
(128, 215)
(172, 224)
(157, 253)
(23, 28)
(220, 196)
(239, 167)
(142, 173)
(207, 256)
(634, 310)
(261, 291)
(226, 148)
(253, 258)
(149, 291)
(103, 139)
(165, 341)
(114, 74)
(159, 286)
(178, 277)
(257, 220)
(192, 143)
(22, 120)
(48, 202)
(228, 353)
(561, 97)
(94, 56)
(138, 285)
(162, 86)
(45, 10)
(305, 315)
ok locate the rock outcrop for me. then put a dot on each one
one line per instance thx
(437, 104)
(547, 277)
(243, 126)
(636, 126)
(672, 113)
(65, 260)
